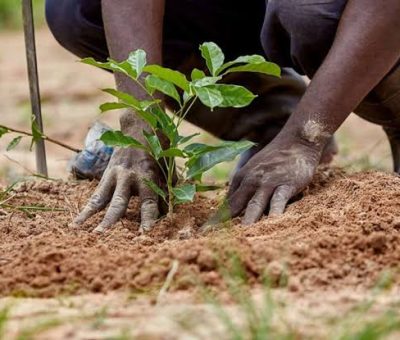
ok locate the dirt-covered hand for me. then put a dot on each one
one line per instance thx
(123, 178)
(273, 176)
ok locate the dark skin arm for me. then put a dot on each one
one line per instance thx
(129, 25)
(366, 47)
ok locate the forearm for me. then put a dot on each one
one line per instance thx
(366, 47)
(130, 25)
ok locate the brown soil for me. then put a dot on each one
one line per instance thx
(345, 231)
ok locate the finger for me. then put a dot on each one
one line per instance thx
(238, 201)
(257, 205)
(118, 205)
(235, 183)
(279, 200)
(99, 199)
(149, 209)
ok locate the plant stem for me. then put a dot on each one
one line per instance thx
(46, 138)
(171, 163)
(186, 111)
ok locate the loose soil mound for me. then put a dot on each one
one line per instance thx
(344, 231)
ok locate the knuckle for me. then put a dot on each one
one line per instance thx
(119, 200)
(255, 204)
(95, 201)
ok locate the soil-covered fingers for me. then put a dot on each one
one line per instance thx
(149, 207)
(280, 199)
(118, 205)
(257, 205)
(241, 197)
(100, 198)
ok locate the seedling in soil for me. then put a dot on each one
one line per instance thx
(208, 88)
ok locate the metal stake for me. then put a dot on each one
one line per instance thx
(30, 47)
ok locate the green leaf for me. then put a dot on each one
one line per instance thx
(199, 148)
(118, 139)
(174, 77)
(3, 131)
(172, 152)
(187, 96)
(153, 186)
(148, 118)
(246, 59)
(206, 81)
(233, 95)
(209, 96)
(164, 86)
(93, 62)
(112, 65)
(125, 98)
(137, 60)
(184, 193)
(146, 104)
(265, 67)
(112, 106)
(166, 124)
(213, 56)
(140, 107)
(197, 74)
(227, 151)
(185, 139)
(154, 144)
(14, 143)
(36, 133)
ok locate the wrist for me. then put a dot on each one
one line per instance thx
(311, 134)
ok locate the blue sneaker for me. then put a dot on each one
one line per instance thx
(92, 161)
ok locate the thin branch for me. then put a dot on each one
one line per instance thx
(44, 137)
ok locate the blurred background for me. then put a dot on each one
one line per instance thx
(71, 95)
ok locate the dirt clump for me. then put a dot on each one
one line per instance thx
(343, 231)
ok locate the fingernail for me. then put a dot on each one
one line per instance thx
(78, 220)
(99, 230)
(146, 226)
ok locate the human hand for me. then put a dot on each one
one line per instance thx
(122, 179)
(272, 177)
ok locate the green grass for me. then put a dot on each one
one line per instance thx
(4, 314)
(265, 318)
(258, 318)
(11, 13)
(34, 331)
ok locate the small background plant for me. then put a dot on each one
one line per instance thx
(11, 13)
(206, 88)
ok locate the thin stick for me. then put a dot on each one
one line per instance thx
(49, 139)
(168, 281)
(30, 47)
(29, 171)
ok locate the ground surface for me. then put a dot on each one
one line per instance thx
(326, 255)
(338, 241)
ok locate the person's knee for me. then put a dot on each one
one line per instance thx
(382, 105)
(61, 23)
(77, 25)
(307, 29)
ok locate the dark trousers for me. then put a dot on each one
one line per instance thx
(292, 33)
